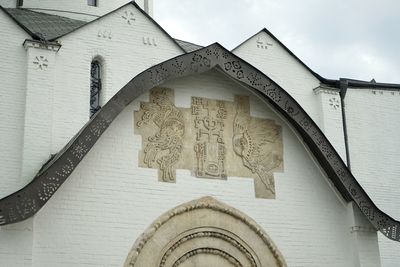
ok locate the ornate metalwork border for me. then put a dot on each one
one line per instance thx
(29, 200)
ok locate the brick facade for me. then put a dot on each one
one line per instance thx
(108, 201)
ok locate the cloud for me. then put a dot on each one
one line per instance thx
(342, 38)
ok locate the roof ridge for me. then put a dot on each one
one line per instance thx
(43, 13)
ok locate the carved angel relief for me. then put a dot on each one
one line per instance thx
(214, 139)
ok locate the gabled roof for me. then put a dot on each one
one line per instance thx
(319, 77)
(187, 46)
(330, 82)
(29, 200)
(44, 26)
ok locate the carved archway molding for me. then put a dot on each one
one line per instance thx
(189, 233)
(24, 203)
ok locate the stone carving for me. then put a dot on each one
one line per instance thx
(231, 260)
(210, 149)
(204, 232)
(257, 144)
(262, 43)
(164, 146)
(334, 103)
(129, 17)
(207, 234)
(214, 139)
(41, 62)
(151, 41)
(106, 34)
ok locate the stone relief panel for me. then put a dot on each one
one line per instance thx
(213, 139)
(162, 127)
(208, 121)
(204, 232)
(258, 142)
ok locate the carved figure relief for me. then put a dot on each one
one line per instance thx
(163, 147)
(204, 232)
(214, 139)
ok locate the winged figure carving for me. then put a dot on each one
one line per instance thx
(254, 140)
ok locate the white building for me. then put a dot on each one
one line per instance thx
(107, 123)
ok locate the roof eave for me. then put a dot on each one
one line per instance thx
(33, 35)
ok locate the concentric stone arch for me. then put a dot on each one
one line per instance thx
(185, 232)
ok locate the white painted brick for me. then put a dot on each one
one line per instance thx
(8, 3)
(373, 130)
(124, 56)
(285, 70)
(12, 103)
(75, 9)
(109, 201)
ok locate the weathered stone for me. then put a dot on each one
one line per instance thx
(214, 139)
(204, 232)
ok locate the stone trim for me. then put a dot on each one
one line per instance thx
(326, 90)
(204, 203)
(210, 234)
(362, 229)
(212, 251)
(51, 46)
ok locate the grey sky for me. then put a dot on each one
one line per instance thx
(357, 39)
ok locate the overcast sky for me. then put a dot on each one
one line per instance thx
(357, 39)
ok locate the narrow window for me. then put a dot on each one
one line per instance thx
(20, 3)
(95, 87)
(92, 2)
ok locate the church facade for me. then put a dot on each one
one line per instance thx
(121, 146)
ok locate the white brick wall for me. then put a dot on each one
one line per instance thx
(38, 110)
(331, 118)
(75, 9)
(108, 201)
(280, 66)
(8, 3)
(16, 240)
(12, 103)
(373, 122)
(16, 244)
(123, 57)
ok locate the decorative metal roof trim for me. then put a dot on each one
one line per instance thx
(29, 200)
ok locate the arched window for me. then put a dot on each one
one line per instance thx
(95, 87)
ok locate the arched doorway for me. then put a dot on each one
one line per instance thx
(204, 232)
